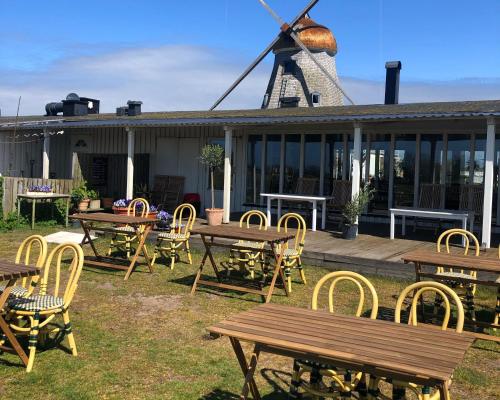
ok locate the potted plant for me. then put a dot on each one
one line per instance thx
(353, 209)
(120, 206)
(163, 220)
(212, 155)
(95, 201)
(153, 212)
(80, 196)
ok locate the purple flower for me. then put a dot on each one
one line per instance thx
(164, 216)
(153, 208)
(122, 203)
(40, 188)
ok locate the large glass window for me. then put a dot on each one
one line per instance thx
(334, 157)
(292, 162)
(273, 150)
(379, 171)
(404, 169)
(431, 160)
(457, 168)
(254, 162)
(312, 159)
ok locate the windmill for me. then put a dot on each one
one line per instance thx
(290, 45)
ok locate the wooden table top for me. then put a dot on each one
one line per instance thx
(112, 218)
(421, 353)
(237, 233)
(470, 262)
(10, 270)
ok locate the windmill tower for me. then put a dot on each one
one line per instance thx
(295, 80)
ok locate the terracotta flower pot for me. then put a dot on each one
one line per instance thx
(120, 210)
(83, 205)
(152, 214)
(214, 216)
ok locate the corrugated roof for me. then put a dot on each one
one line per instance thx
(438, 110)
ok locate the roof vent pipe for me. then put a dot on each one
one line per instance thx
(392, 82)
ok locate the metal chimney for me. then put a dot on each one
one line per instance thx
(392, 82)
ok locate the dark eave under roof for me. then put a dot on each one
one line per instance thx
(376, 112)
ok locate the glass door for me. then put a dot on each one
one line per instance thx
(378, 175)
(404, 169)
(458, 168)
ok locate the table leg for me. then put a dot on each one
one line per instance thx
(403, 223)
(392, 225)
(211, 257)
(277, 271)
(33, 207)
(323, 215)
(67, 211)
(268, 211)
(142, 240)
(198, 274)
(87, 238)
(315, 215)
(247, 370)
(279, 209)
(444, 393)
(4, 326)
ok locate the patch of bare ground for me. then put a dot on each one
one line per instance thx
(149, 305)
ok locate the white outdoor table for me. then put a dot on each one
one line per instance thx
(430, 213)
(314, 200)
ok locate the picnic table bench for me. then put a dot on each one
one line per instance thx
(272, 239)
(11, 272)
(419, 354)
(142, 227)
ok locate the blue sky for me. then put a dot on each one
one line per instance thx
(449, 49)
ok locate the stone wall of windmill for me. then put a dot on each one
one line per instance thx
(296, 77)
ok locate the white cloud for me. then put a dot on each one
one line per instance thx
(187, 78)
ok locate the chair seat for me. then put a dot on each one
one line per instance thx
(290, 253)
(452, 274)
(173, 236)
(36, 303)
(254, 245)
(124, 229)
(16, 291)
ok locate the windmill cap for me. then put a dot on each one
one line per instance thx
(313, 35)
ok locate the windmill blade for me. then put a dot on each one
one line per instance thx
(296, 39)
(262, 55)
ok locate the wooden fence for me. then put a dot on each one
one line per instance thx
(14, 185)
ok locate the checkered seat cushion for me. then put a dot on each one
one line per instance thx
(453, 274)
(253, 245)
(16, 291)
(36, 303)
(290, 253)
(124, 229)
(173, 236)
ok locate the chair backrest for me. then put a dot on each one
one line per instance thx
(51, 282)
(138, 208)
(183, 219)
(471, 198)
(300, 230)
(256, 216)
(446, 294)
(463, 234)
(341, 276)
(24, 254)
(430, 195)
(306, 186)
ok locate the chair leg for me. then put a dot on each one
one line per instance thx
(469, 301)
(69, 333)
(497, 309)
(295, 383)
(172, 255)
(127, 247)
(301, 271)
(111, 245)
(251, 267)
(188, 251)
(33, 340)
(288, 276)
(155, 253)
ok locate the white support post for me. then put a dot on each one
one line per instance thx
(356, 160)
(390, 200)
(46, 155)
(130, 163)
(488, 183)
(322, 165)
(228, 145)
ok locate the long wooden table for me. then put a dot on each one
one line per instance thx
(141, 226)
(272, 239)
(419, 354)
(11, 272)
(490, 266)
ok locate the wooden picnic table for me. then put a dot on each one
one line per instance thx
(272, 239)
(142, 227)
(11, 272)
(48, 196)
(419, 354)
(489, 266)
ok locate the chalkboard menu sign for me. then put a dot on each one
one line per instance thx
(99, 170)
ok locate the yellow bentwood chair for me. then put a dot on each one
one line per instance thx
(343, 382)
(246, 257)
(469, 288)
(293, 248)
(52, 299)
(24, 255)
(124, 236)
(447, 294)
(168, 243)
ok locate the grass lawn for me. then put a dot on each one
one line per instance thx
(146, 339)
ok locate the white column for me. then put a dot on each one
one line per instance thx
(390, 199)
(46, 155)
(322, 165)
(356, 160)
(130, 163)
(228, 144)
(488, 182)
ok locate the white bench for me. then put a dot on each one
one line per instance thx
(432, 214)
(314, 200)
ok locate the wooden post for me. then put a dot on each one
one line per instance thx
(130, 163)
(46, 155)
(488, 182)
(228, 142)
(356, 160)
